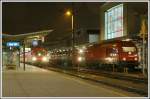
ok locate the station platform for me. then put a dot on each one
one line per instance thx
(28, 68)
(35, 82)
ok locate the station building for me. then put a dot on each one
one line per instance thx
(124, 21)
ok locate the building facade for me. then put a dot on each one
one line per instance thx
(121, 20)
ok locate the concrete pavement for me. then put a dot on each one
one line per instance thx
(37, 82)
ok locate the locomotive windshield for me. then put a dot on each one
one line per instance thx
(128, 49)
(128, 46)
(39, 52)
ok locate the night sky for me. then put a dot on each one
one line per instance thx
(26, 17)
(29, 17)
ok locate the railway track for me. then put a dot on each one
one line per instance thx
(116, 75)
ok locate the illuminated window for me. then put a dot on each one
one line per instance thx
(114, 22)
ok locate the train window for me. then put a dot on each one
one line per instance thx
(110, 51)
(114, 50)
(128, 49)
(40, 52)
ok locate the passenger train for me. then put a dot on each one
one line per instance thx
(105, 54)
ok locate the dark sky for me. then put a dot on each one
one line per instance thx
(23, 17)
(30, 17)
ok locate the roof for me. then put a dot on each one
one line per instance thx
(21, 37)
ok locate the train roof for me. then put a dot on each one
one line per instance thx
(95, 44)
(109, 42)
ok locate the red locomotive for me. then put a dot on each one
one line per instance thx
(39, 54)
(36, 55)
(119, 53)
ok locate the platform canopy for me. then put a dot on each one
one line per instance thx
(25, 36)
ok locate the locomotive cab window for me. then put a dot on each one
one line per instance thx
(39, 53)
(128, 49)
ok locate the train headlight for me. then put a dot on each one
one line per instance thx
(135, 59)
(124, 59)
(34, 59)
(80, 59)
(44, 59)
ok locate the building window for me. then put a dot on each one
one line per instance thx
(114, 22)
(93, 38)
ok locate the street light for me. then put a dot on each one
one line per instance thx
(70, 13)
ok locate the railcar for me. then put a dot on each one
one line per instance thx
(39, 55)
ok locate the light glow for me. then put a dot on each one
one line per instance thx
(68, 13)
(44, 58)
(109, 59)
(34, 59)
(80, 51)
(79, 59)
(129, 53)
(39, 54)
(135, 59)
(135, 55)
(124, 59)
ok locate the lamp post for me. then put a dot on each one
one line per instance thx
(69, 13)
(24, 68)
